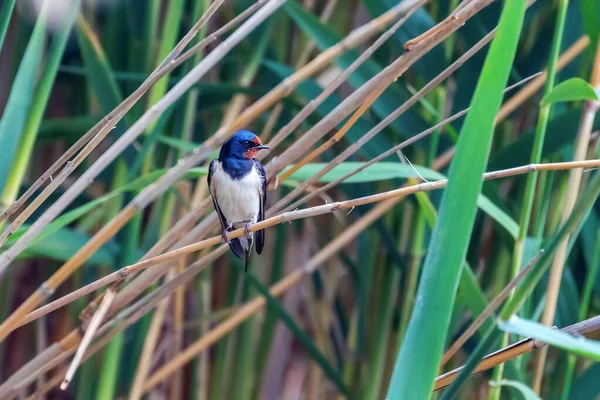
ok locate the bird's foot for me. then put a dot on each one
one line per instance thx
(247, 230)
(224, 236)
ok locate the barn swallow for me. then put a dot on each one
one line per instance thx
(238, 186)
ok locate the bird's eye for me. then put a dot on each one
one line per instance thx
(246, 143)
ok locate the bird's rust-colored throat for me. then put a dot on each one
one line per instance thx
(251, 153)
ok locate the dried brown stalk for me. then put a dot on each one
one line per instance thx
(58, 352)
(524, 346)
(87, 338)
(581, 147)
(466, 8)
(389, 152)
(381, 80)
(309, 108)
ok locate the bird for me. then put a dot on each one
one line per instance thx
(238, 186)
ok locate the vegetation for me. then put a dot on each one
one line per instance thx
(448, 149)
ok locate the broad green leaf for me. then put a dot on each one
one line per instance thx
(377, 172)
(419, 357)
(181, 145)
(21, 93)
(525, 390)
(573, 89)
(578, 345)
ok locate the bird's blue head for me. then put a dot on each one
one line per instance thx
(242, 145)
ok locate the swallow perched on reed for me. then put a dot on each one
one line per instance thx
(238, 186)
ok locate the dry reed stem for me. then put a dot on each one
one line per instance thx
(87, 338)
(355, 38)
(311, 106)
(290, 280)
(148, 118)
(348, 204)
(524, 94)
(572, 192)
(489, 310)
(284, 217)
(516, 349)
(101, 129)
(165, 68)
(335, 138)
(252, 307)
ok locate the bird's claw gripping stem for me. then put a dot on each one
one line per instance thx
(224, 236)
(247, 230)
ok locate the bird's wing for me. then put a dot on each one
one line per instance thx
(234, 244)
(260, 235)
(211, 170)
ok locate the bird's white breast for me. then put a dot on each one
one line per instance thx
(239, 200)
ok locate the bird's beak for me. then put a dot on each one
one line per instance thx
(261, 147)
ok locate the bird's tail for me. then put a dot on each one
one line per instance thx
(246, 256)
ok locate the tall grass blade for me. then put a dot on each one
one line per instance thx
(421, 351)
(21, 94)
(40, 101)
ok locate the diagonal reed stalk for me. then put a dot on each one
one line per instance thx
(173, 174)
(583, 328)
